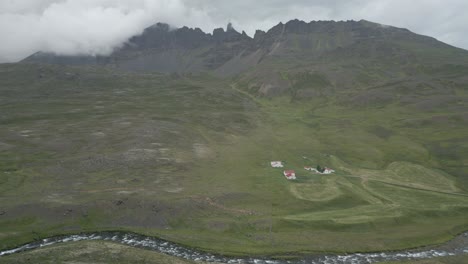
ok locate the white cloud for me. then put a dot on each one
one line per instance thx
(83, 26)
(99, 26)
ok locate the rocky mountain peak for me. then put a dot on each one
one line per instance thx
(229, 27)
(259, 33)
(163, 48)
(159, 27)
(230, 35)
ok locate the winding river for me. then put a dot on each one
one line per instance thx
(457, 246)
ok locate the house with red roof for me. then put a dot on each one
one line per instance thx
(290, 174)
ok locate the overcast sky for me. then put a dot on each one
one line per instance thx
(99, 26)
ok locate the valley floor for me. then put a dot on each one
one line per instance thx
(187, 159)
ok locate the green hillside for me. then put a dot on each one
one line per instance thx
(172, 136)
(186, 157)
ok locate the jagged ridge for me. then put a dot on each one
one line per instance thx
(316, 48)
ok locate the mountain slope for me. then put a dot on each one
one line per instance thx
(339, 55)
(111, 143)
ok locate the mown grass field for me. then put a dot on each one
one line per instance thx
(186, 158)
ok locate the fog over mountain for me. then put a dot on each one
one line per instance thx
(72, 27)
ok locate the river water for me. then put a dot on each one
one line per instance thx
(457, 246)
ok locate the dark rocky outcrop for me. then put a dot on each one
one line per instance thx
(227, 52)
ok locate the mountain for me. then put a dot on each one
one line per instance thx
(172, 135)
(326, 49)
(356, 64)
(163, 49)
(160, 48)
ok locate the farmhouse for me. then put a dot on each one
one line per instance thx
(277, 164)
(328, 171)
(290, 174)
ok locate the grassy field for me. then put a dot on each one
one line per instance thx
(186, 158)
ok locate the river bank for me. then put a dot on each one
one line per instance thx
(455, 247)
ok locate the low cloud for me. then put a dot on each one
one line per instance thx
(99, 26)
(72, 27)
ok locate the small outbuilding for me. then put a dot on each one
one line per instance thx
(277, 164)
(290, 174)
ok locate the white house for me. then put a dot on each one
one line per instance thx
(277, 164)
